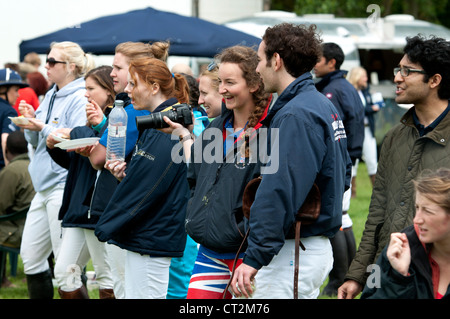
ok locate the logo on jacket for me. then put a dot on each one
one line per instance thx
(329, 95)
(338, 127)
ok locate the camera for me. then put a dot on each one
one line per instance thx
(180, 113)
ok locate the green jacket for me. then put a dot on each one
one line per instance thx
(16, 191)
(404, 154)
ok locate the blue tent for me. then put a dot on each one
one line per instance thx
(188, 36)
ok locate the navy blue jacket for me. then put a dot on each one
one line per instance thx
(81, 177)
(6, 126)
(368, 111)
(309, 146)
(147, 210)
(351, 110)
(214, 216)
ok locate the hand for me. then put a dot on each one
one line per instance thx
(349, 289)
(33, 125)
(83, 151)
(117, 168)
(61, 132)
(26, 109)
(176, 128)
(399, 253)
(375, 107)
(94, 113)
(242, 280)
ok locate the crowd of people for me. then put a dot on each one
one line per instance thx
(157, 227)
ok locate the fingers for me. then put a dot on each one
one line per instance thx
(117, 168)
(242, 283)
(51, 141)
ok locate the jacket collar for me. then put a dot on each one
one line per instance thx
(301, 83)
(20, 157)
(440, 134)
(338, 74)
(164, 105)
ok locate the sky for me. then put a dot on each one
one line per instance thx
(27, 19)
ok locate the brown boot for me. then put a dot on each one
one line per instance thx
(80, 293)
(106, 294)
(372, 179)
(354, 187)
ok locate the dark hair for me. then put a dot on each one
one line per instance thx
(101, 75)
(331, 51)
(297, 45)
(16, 143)
(193, 89)
(433, 55)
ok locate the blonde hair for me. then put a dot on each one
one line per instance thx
(33, 59)
(354, 75)
(136, 50)
(435, 186)
(213, 74)
(71, 52)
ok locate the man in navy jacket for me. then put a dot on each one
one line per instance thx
(344, 96)
(311, 148)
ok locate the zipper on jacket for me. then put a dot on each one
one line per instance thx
(217, 174)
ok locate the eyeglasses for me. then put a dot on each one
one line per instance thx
(406, 71)
(51, 62)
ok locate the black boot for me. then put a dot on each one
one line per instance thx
(344, 250)
(40, 286)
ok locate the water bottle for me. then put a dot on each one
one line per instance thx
(117, 129)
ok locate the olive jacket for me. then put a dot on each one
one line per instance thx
(404, 154)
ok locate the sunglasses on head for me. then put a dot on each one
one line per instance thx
(51, 62)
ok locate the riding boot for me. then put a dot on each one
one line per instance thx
(40, 286)
(106, 294)
(372, 179)
(80, 293)
(340, 264)
(353, 187)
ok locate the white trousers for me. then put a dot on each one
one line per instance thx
(369, 154)
(116, 257)
(42, 232)
(79, 245)
(276, 280)
(146, 277)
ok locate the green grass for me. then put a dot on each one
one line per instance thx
(359, 208)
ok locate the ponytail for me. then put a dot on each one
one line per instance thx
(181, 88)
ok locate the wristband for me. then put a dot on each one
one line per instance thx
(185, 138)
(98, 127)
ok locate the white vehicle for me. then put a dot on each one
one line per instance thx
(258, 23)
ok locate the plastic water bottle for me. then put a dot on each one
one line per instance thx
(117, 129)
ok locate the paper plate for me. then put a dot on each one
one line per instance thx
(59, 138)
(80, 142)
(19, 120)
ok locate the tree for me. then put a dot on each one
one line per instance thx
(436, 11)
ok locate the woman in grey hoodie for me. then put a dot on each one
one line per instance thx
(63, 106)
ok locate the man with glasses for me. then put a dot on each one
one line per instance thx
(420, 141)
